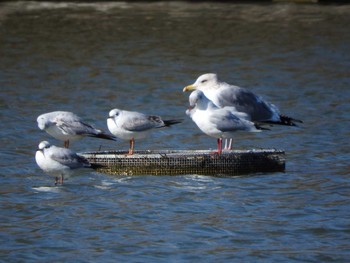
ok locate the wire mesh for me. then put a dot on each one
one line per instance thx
(180, 162)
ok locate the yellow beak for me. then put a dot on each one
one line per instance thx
(189, 88)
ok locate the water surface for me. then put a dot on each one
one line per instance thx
(90, 58)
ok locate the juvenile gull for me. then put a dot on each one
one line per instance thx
(66, 126)
(218, 122)
(59, 162)
(223, 94)
(131, 125)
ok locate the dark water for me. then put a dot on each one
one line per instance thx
(90, 58)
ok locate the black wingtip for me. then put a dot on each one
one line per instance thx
(284, 120)
(168, 123)
(260, 127)
(106, 136)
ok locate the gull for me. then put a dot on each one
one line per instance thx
(131, 125)
(218, 122)
(223, 94)
(244, 100)
(66, 126)
(59, 162)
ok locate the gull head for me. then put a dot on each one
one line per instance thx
(199, 100)
(44, 145)
(195, 96)
(114, 113)
(204, 82)
(43, 122)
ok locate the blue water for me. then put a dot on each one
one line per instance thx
(90, 58)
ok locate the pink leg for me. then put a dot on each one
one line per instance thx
(131, 149)
(219, 145)
(219, 150)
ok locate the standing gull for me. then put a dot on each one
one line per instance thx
(131, 125)
(223, 94)
(218, 122)
(66, 126)
(59, 162)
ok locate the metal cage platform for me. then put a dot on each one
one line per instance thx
(180, 162)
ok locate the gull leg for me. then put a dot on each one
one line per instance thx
(230, 144)
(61, 181)
(131, 149)
(225, 144)
(219, 145)
(219, 150)
(66, 144)
(56, 180)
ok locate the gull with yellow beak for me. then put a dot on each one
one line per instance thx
(223, 94)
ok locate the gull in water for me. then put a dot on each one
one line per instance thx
(218, 122)
(244, 100)
(59, 162)
(66, 126)
(131, 125)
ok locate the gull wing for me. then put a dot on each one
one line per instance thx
(225, 121)
(139, 122)
(246, 101)
(70, 124)
(68, 158)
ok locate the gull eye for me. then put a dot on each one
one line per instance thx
(47, 146)
(204, 80)
(113, 113)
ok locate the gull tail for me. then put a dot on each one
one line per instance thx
(284, 120)
(168, 123)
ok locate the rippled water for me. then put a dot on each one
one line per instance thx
(90, 58)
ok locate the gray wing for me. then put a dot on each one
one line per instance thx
(140, 122)
(246, 101)
(226, 121)
(75, 126)
(68, 158)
